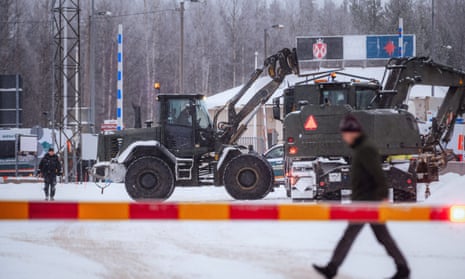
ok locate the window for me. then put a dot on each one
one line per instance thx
(365, 98)
(179, 112)
(333, 97)
(203, 119)
(277, 152)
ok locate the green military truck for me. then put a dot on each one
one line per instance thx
(186, 147)
(313, 111)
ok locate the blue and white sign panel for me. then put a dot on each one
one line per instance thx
(119, 83)
(387, 46)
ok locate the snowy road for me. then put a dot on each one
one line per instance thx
(170, 249)
(216, 250)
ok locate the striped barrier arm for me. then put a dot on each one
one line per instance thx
(18, 210)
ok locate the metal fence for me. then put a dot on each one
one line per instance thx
(258, 143)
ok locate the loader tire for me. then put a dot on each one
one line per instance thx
(248, 177)
(149, 178)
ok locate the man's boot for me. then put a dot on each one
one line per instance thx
(328, 271)
(403, 272)
(52, 193)
(46, 192)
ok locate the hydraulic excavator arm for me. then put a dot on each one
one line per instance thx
(404, 73)
(278, 66)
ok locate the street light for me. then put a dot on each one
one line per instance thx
(92, 62)
(104, 13)
(447, 47)
(265, 33)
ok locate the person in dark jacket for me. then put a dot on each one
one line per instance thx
(368, 184)
(49, 168)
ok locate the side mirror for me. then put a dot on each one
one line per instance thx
(276, 109)
(403, 107)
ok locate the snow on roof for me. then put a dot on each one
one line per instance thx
(221, 98)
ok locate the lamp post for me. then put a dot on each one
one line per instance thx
(181, 50)
(92, 40)
(265, 54)
(433, 39)
(265, 37)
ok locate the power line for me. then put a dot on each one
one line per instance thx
(25, 21)
(144, 13)
(85, 20)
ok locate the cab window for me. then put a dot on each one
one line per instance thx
(364, 98)
(333, 97)
(179, 112)
(203, 118)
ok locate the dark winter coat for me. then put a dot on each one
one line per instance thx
(50, 166)
(367, 176)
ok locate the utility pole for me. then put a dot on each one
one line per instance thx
(181, 50)
(181, 53)
(265, 38)
(92, 68)
(433, 39)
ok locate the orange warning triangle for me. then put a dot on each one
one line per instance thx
(310, 124)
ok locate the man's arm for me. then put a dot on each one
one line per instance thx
(58, 166)
(41, 166)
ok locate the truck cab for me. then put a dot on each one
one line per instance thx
(188, 129)
(181, 123)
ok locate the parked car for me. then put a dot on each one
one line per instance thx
(275, 156)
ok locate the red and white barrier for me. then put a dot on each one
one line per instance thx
(16, 210)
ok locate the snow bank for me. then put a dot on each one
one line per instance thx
(117, 192)
(450, 189)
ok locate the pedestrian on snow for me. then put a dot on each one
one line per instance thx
(368, 184)
(49, 168)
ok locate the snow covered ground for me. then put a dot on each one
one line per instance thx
(171, 249)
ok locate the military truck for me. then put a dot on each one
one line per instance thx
(186, 147)
(324, 100)
(311, 129)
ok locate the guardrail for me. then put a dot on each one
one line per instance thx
(380, 212)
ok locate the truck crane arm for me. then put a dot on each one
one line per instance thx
(278, 67)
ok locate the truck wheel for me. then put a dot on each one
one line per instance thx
(248, 177)
(149, 178)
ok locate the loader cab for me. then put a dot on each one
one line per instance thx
(186, 125)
